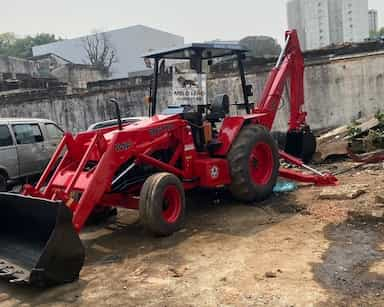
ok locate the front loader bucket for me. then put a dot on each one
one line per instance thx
(38, 243)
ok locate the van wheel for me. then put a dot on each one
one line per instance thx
(3, 183)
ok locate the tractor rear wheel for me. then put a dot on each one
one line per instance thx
(254, 164)
(162, 204)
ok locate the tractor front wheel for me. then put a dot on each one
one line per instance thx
(162, 204)
(254, 164)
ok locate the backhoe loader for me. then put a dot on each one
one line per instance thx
(148, 165)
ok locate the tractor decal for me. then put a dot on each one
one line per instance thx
(122, 146)
(159, 130)
(189, 147)
(215, 172)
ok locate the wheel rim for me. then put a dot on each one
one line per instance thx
(171, 204)
(261, 163)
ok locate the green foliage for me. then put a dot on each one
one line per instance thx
(369, 141)
(380, 117)
(374, 140)
(377, 34)
(353, 130)
(261, 46)
(11, 45)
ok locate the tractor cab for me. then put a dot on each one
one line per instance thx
(189, 88)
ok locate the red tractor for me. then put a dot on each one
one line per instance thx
(150, 164)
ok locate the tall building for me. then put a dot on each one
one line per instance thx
(324, 22)
(355, 20)
(336, 26)
(373, 21)
(295, 20)
(129, 43)
(316, 21)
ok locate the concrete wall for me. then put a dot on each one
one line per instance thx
(17, 66)
(337, 91)
(76, 112)
(77, 76)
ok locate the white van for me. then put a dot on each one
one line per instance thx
(26, 146)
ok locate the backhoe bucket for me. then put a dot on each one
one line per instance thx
(301, 144)
(38, 243)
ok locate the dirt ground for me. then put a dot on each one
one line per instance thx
(292, 250)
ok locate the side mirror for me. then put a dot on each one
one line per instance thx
(249, 90)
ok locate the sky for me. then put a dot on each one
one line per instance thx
(196, 20)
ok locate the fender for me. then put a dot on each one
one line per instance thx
(231, 128)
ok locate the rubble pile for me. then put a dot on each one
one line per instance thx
(364, 136)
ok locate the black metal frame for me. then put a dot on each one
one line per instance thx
(243, 82)
(118, 113)
(155, 86)
(238, 53)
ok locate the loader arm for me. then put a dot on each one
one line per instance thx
(289, 67)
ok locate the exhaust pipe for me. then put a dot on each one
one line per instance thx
(118, 113)
(38, 243)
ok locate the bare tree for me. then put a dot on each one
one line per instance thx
(100, 52)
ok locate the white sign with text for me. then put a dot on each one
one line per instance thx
(189, 89)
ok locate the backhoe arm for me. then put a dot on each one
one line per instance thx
(289, 67)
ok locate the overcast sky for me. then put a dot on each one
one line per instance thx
(196, 20)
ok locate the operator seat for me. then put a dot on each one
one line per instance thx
(195, 120)
(218, 109)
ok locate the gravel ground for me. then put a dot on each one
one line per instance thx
(292, 250)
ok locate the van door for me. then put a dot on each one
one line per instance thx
(54, 134)
(8, 154)
(30, 148)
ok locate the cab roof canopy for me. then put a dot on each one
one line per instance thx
(189, 51)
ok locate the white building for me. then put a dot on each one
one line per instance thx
(295, 20)
(336, 27)
(130, 44)
(355, 20)
(373, 21)
(311, 20)
(316, 23)
(324, 22)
